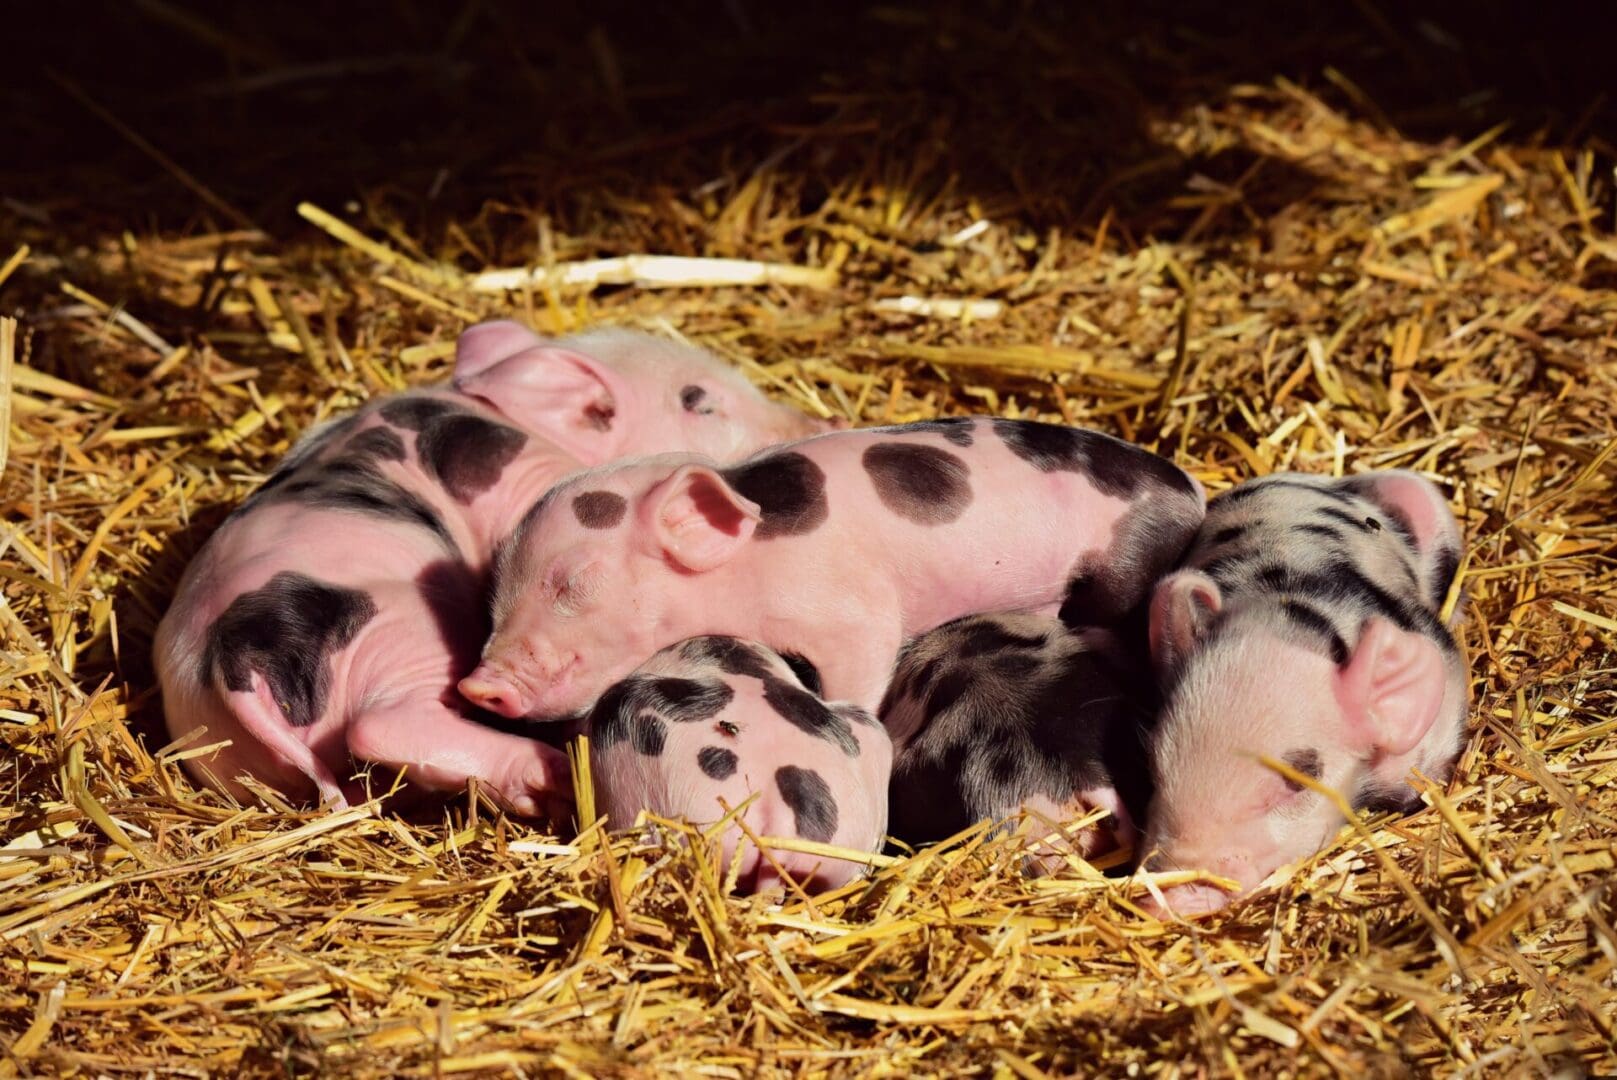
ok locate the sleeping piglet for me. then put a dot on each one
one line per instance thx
(331, 615)
(1013, 713)
(1306, 628)
(717, 718)
(836, 549)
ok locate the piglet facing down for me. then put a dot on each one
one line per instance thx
(1012, 713)
(836, 549)
(330, 617)
(1306, 629)
(712, 721)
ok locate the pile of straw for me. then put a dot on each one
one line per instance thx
(1444, 306)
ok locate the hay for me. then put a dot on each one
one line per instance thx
(1445, 306)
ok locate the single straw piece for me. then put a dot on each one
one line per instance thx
(655, 272)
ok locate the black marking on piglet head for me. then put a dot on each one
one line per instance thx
(731, 655)
(691, 399)
(919, 483)
(1306, 762)
(789, 489)
(806, 672)
(809, 798)
(599, 509)
(716, 762)
(287, 631)
(637, 708)
(809, 714)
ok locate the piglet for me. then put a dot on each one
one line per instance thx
(836, 549)
(1014, 713)
(1305, 627)
(331, 615)
(712, 721)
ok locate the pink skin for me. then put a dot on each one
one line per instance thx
(673, 785)
(577, 608)
(391, 699)
(1397, 703)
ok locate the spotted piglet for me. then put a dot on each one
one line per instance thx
(837, 549)
(1013, 713)
(713, 721)
(1306, 627)
(330, 617)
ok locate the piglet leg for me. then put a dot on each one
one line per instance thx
(441, 750)
(263, 719)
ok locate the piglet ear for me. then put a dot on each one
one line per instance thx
(482, 346)
(1420, 513)
(1391, 689)
(1182, 611)
(557, 392)
(698, 520)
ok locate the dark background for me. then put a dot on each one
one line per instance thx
(429, 110)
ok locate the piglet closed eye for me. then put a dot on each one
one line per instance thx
(713, 721)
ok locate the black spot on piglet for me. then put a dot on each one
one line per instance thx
(415, 413)
(378, 442)
(789, 490)
(599, 509)
(954, 429)
(1115, 467)
(287, 631)
(1306, 762)
(806, 672)
(716, 762)
(922, 484)
(618, 713)
(691, 398)
(732, 655)
(808, 796)
(467, 453)
(808, 713)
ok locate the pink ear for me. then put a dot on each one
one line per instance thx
(482, 346)
(566, 395)
(1391, 689)
(1182, 611)
(1415, 501)
(699, 520)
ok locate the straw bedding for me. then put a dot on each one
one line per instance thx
(1444, 305)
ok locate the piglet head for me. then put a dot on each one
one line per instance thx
(616, 393)
(1243, 685)
(602, 572)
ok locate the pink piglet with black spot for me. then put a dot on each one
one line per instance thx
(705, 725)
(838, 548)
(328, 620)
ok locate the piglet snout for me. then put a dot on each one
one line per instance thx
(498, 691)
(1187, 901)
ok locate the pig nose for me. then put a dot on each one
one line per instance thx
(1188, 900)
(496, 691)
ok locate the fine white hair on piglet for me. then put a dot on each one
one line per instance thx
(1305, 626)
